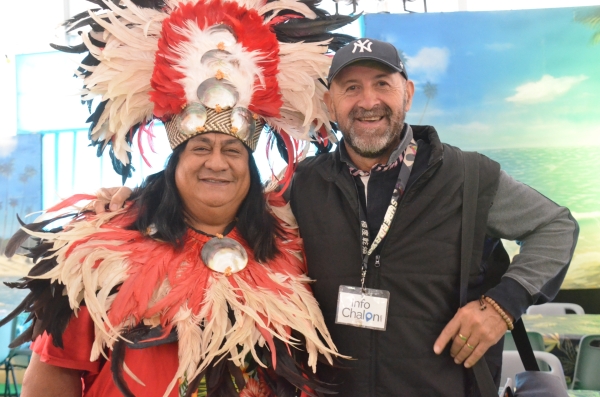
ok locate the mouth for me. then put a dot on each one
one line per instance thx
(215, 181)
(372, 119)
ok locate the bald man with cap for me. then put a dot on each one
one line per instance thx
(381, 222)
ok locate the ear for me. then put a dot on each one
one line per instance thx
(329, 103)
(408, 94)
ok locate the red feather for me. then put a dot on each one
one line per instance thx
(74, 199)
(292, 163)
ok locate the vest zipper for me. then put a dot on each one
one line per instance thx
(377, 260)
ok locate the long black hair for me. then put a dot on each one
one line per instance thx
(160, 205)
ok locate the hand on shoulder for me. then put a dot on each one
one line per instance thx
(111, 199)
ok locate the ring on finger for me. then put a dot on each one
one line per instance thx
(461, 336)
(469, 346)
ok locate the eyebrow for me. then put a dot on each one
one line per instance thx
(225, 142)
(353, 80)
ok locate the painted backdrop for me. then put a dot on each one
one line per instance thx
(522, 87)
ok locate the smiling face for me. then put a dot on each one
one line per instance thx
(213, 176)
(369, 102)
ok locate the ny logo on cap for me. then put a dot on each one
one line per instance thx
(364, 46)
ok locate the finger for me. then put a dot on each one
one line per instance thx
(466, 351)
(459, 342)
(448, 333)
(476, 355)
(100, 206)
(118, 199)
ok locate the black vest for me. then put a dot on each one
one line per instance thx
(420, 266)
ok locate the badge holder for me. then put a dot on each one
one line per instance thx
(363, 309)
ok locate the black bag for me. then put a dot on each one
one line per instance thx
(532, 382)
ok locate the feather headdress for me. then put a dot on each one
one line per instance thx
(229, 66)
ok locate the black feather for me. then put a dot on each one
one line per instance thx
(95, 41)
(116, 366)
(155, 4)
(24, 337)
(237, 374)
(17, 310)
(218, 380)
(21, 236)
(303, 27)
(281, 147)
(101, 4)
(81, 23)
(314, 6)
(93, 119)
(143, 336)
(194, 383)
(77, 49)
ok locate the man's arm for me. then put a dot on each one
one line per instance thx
(43, 379)
(547, 234)
(112, 197)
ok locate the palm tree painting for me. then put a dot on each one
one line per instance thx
(592, 19)
(20, 183)
(430, 91)
(13, 203)
(6, 171)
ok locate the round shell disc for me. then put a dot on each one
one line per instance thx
(222, 33)
(243, 122)
(213, 92)
(192, 118)
(224, 255)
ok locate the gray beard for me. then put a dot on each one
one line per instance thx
(369, 147)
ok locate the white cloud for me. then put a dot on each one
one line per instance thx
(499, 46)
(7, 145)
(430, 63)
(546, 89)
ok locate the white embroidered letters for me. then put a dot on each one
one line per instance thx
(363, 46)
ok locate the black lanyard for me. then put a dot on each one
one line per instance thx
(408, 159)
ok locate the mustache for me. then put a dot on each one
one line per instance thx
(377, 111)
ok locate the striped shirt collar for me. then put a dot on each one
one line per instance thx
(393, 161)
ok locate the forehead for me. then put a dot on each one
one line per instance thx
(365, 69)
(216, 138)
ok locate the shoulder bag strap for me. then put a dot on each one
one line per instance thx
(485, 382)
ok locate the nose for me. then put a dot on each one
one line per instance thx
(369, 98)
(216, 161)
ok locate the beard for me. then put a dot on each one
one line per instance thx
(372, 142)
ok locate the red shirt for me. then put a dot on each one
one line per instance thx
(155, 366)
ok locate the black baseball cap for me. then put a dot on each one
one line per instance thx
(366, 49)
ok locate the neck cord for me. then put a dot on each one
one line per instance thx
(227, 230)
(408, 159)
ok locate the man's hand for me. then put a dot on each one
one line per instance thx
(114, 197)
(473, 331)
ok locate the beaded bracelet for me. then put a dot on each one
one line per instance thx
(501, 312)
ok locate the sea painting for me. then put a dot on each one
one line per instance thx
(522, 87)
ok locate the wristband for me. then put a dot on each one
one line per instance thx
(501, 312)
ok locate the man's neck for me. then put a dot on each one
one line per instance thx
(367, 163)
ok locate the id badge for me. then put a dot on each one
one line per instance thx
(367, 309)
